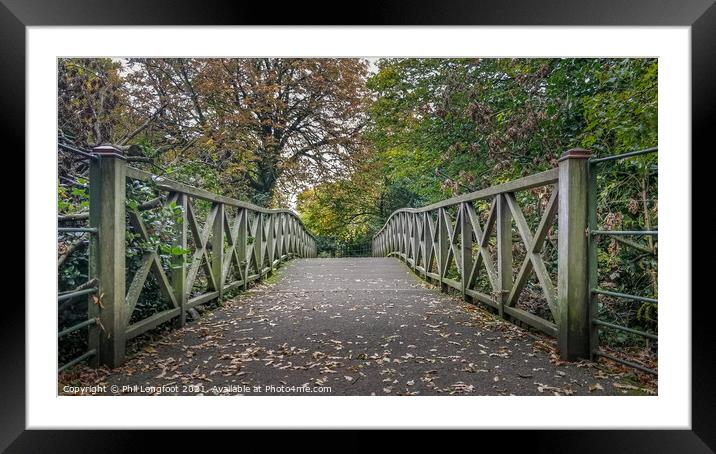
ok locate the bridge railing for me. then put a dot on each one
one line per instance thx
(467, 243)
(595, 234)
(237, 243)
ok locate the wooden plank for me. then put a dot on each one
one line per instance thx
(541, 324)
(483, 255)
(573, 263)
(137, 284)
(465, 247)
(107, 208)
(251, 259)
(546, 221)
(233, 285)
(430, 241)
(200, 256)
(259, 243)
(453, 283)
(504, 251)
(415, 227)
(483, 298)
(537, 263)
(443, 245)
(151, 322)
(201, 299)
(169, 185)
(528, 182)
(230, 257)
(179, 262)
(453, 231)
(164, 286)
(520, 282)
(271, 239)
(217, 249)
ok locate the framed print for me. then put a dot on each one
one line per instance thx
(401, 218)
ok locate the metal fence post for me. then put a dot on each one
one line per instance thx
(107, 195)
(572, 281)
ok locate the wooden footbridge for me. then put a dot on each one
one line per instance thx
(525, 249)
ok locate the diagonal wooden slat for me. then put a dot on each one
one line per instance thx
(201, 237)
(135, 288)
(232, 235)
(536, 263)
(483, 255)
(550, 212)
(443, 243)
(164, 286)
(255, 249)
(431, 242)
(150, 263)
(453, 252)
(466, 238)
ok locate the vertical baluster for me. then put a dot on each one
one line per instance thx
(443, 245)
(241, 244)
(258, 242)
(179, 262)
(415, 239)
(427, 245)
(217, 249)
(465, 249)
(271, 241)
(504, 252)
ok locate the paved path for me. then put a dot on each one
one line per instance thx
(359, 326)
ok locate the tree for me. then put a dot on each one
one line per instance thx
(448, 126)
(347, 210)
(260, 121)
(441, 127)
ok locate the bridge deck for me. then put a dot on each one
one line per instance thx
(360, 326)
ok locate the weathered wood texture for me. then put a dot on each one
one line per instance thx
(107, 199)
(573, 281)
(465, 249)
(230, 249)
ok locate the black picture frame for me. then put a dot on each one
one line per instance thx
(700, 15)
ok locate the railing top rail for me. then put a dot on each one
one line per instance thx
(528, 182)
(171, 185)
(621, 156)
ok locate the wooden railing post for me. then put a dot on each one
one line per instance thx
(107, 193)
(427, 244)
(504, 252)
(241, 239)
(271, 241)
(258, 244)
(179, 262)
(415, 237)
(443, 246)
(572, 280)
(465, 249)
(217, 249)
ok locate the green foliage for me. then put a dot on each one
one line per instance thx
(429, 129)
(74, 198)
(443, 127)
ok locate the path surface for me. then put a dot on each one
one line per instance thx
(359, 326)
